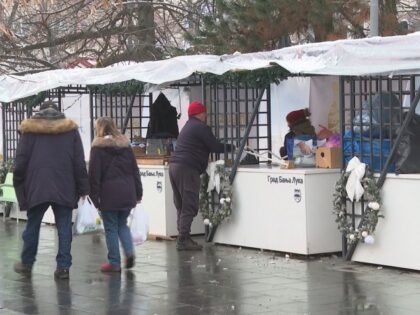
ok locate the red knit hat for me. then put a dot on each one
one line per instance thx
(196, 108)
(297, 116)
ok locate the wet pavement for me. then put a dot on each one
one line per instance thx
(218, 280)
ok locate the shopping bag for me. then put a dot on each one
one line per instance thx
(139, 225)
(88, 220)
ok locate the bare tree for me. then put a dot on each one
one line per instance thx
(38, 35)
(49, 34)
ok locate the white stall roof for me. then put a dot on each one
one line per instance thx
(378, 55)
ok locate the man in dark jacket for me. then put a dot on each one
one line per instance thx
(194, 144)
(50, 170)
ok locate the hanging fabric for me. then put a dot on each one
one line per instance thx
(163, 119)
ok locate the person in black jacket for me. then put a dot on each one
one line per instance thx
(115, 189)
(50, 170)
(190, 158)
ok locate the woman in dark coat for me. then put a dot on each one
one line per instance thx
(50, 170)
(115, 189)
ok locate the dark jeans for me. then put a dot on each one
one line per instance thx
(185, 183)
(115, 224)
(30, 236)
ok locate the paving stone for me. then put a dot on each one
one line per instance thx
(218, 280)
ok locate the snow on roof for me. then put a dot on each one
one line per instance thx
(378, 55)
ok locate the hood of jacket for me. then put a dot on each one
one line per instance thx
(47, 126)
(117, 142)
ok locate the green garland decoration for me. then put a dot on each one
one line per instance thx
(34, 100)
(259, 78)
(216, 207)
(371, 196)
(131, 87)
(5, 167)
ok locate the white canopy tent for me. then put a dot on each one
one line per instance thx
(378, 55)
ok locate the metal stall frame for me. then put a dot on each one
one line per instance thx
(234, 110)
(366, 84)
(15, 112)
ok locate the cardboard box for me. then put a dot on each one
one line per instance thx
(328, 157)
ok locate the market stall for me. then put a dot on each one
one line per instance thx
(397, 237)
(282, 210)
(235, 115)
(158, 202)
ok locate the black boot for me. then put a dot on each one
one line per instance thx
(23, 269)
(61, 274)
(186, 243)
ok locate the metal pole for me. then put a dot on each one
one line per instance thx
(92, 118)
(245, 137)
(3, 118)
(128, 113)
(374, 18)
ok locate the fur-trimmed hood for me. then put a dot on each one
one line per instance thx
(111, 142)
(47, 126)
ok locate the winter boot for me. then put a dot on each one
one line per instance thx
(23, 269)
(186, 243)
(110, 268)
(61, 274)
(129, 261)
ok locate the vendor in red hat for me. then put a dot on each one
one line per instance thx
(189, 160)
(299, 124)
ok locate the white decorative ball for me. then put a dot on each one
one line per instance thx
(210, 224)
(369, 239)
(222, 200)
(227, 199)
(206, 221)
(374, 205)
(351, 236)
(365, 233)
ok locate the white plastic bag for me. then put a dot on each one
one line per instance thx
(88, 219)
(139, 225)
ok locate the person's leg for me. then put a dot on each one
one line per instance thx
(30, 235)
(175, 183)
(190, 199)
(124, 235)
(190, 183)
(63, 223)
(110, 219)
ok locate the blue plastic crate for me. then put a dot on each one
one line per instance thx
(357, 145)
